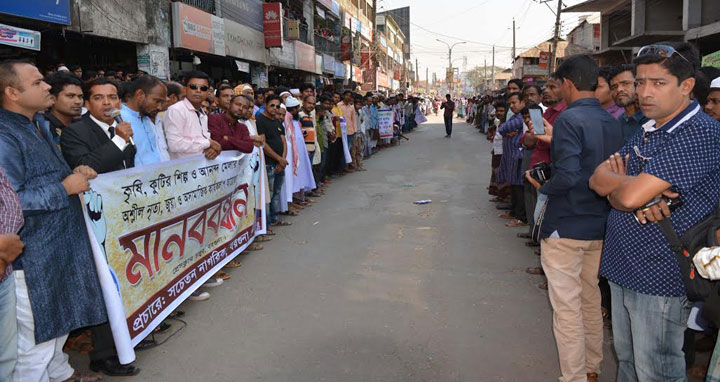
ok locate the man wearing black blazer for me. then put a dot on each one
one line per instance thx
(97, 140)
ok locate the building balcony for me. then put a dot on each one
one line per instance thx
(303, 32)
(205, 5)
(325, 45)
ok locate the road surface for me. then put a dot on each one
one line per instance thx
(367, 286)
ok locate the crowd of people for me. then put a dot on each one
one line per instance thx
(60, 130)
(622, 151)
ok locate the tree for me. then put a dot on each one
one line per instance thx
(478, 77)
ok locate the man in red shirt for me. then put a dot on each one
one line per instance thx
(226, 129)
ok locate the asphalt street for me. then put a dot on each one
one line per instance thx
(367, 286)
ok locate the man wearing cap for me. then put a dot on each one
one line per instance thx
(712, 108)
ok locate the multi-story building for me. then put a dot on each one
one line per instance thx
(626, 25)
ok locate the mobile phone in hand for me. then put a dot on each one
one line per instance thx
(537, 120)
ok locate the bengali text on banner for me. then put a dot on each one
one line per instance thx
(159, 232)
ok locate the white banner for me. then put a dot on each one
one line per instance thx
(159, 232)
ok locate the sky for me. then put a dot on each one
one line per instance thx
(481, 23)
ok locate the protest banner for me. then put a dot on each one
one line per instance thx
(160, 231)
(385, 123)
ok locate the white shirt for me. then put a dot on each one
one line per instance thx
(117, 140)
(498, 140)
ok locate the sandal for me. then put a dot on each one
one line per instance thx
(262, 239)
(233, 264)
(516, 223)
(282, 223)
(255, 247)
(222, 275)
(269, 232)
(86, 376)
(506, 215)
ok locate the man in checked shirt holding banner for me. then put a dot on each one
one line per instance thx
(11, 220)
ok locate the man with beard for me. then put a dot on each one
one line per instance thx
(66, 90)
(148, 95)
(622, 86)
(224, 94)
(712, 108)
(226, 129)
(97, 140)
(603, 93)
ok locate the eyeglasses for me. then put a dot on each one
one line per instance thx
(274, 106)
(202, 88)
(659, 50)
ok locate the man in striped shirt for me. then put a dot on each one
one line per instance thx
(11, 220)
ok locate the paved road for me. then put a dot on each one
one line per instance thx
(367, 286)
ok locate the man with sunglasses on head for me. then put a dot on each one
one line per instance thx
(676, 155)
(186, 124)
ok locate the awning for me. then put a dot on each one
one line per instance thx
(650, 37)
(604, 6)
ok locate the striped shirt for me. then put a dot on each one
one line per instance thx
(11, 216)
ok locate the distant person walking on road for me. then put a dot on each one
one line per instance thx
(449, 107)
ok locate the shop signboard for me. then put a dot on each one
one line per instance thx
(293, 29)
(55, 11)
(543, 60)
(246, 12)
(19, 37)
(340, 70)
(320, 12)
(197, 30)
(328, 63)
(304, 57)
(346, 50)
(218, 25)
(383, 80)
(283, 57)
(318, 63)
(154, 60)
(712, 59)
(244, 42)
(335, 8)
(326, 3)
(357, 74)
(242, 66)
(273, 24)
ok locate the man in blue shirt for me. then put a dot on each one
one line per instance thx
(677, 154)
(147, 96)
(574, 222)
(622, 86)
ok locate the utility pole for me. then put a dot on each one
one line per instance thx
(485, 76)
(513, 50)
(492, 70)
(551, 61)
(450, 48)
(417, 71)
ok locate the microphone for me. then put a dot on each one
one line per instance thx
(116, 114)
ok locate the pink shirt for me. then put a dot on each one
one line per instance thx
(350, 117)
(186, 130)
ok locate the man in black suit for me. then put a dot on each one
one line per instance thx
(97, 140)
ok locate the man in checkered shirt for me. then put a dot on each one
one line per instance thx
(677, 154)
(11, 220)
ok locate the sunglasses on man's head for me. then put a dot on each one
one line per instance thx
(659, 50)
(203, 88)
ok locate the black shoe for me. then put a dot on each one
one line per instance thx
(112, 367)
(503, 206)
(524, 235)
(531, 244)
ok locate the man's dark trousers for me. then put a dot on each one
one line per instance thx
(448, 124)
